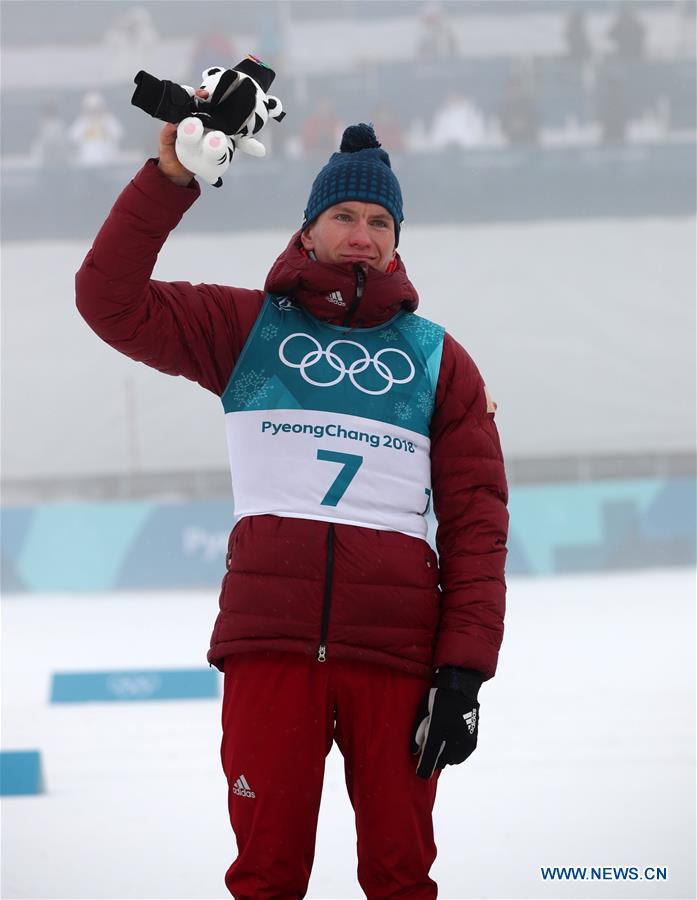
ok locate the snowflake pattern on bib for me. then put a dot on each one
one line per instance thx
(268, 332)
(422, 329)
(424, 401)
(250, 389)
(403, 411)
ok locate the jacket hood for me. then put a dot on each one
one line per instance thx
(328, 290)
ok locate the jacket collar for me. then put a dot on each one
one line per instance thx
(329, 291)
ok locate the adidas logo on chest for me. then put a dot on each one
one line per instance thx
(336, 298)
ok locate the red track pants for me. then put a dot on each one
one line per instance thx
(281, 713)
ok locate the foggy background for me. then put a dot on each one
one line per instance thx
(546, 154)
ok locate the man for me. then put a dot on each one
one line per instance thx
(347, 415)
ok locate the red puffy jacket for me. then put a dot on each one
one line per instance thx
(294, 584)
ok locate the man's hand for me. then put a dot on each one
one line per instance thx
(169, 165)
(447, 722)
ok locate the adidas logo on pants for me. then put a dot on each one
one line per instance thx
(242, 788)
(281, 714)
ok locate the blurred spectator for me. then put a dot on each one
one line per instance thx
(685, 30)
(129, 40)
(133, 31)
(436, 39)
(213, 48)
(458, 123)
(388, 128)
(578, 47)
(628, 34)
(96, 132)
(519, 111)
(611, 104)
(51, 146)
(321, 132)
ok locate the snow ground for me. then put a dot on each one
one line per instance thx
(586, 752)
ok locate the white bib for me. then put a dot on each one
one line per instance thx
(332, 423)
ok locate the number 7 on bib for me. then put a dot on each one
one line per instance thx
(351, 463)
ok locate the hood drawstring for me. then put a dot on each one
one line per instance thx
(360, 283)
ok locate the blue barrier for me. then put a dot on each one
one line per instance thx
(554, 528)
(602, 526)
(128, 686)
(20, 773)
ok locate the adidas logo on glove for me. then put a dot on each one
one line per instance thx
(471, 720)
(447, 720)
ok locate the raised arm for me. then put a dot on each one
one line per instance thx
(196, 331)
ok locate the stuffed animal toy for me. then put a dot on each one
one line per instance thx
(209, 131)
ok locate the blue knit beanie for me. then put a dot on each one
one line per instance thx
(360, 171)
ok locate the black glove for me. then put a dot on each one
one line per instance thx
(164, 100)
(447, 723)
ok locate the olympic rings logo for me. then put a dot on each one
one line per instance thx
(352, 369)
(133, 685)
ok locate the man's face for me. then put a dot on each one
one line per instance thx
(352, 231)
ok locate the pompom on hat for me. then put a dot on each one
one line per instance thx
(360, 171)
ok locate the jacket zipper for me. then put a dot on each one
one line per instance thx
(326, 603)
(322, 651)
(360, 283)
